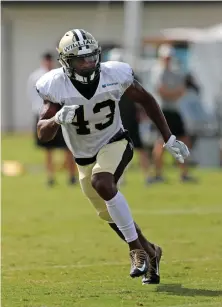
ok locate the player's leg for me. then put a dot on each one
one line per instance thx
(50, 169)
(85, 173)
(112, 159)
(171, 118)
(143, 158)
(71, 166)
(101, 208)
(48, 155)
(119, 211)
(184, 168)
(148, 246)
(158, 152)
(144, 162)
(180, 132)
(117, 206)
(154, 252)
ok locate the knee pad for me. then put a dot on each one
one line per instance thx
(97, 202)
(101, 209)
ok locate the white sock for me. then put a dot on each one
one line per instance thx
(121, 216)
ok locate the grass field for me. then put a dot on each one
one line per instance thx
(57, 253)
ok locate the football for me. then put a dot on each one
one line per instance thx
(54, 108)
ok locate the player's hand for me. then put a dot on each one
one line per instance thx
(177, 149)
(66, 115)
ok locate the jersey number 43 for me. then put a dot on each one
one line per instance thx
(82, 124)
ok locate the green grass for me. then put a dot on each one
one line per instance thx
(56, 252)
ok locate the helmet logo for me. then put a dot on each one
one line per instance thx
(79, 44)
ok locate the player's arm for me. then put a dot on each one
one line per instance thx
(52, 116)
(137, 93)
(47, 126)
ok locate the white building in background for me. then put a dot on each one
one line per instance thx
(29, 29)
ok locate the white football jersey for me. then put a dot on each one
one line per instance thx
(97, 119)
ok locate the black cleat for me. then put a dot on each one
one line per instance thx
(139, 263)
(152, 277)
(188, 179)
(51, 182)
(72, 180)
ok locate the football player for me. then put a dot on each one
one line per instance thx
(82, 97)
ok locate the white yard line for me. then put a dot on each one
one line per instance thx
(196, 304)
(86, 265)
(168, 211)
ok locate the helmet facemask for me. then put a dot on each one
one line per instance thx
(80, 56)
(83, 68)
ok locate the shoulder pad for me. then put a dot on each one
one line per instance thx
(121, 71)
(47, 86)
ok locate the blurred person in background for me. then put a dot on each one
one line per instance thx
(218, 108)
(191, 109)
(47, 64)
(130, 113)
(148, 134)
(169, 83)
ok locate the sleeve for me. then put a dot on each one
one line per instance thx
(126, 76)
(121, 72)
(47, 89)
